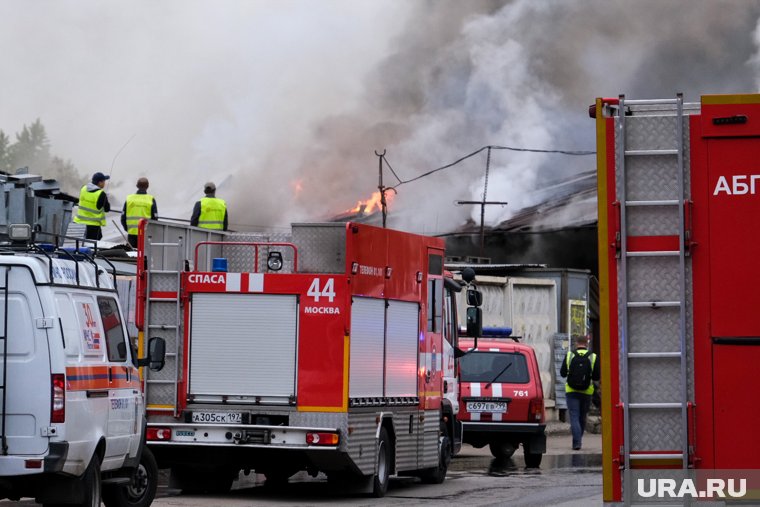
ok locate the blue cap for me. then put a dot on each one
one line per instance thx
(98, 177)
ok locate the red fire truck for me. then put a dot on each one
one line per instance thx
(330, 349)
(678, 205)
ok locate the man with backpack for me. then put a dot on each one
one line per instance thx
(581, 368)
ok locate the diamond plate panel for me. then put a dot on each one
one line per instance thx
(653, 279)
(321, 247)
(163, 313)
(654, 380)
(649, 178)
(160, 394)
(655, 429)
(652, 177)
(164, 282)
(241, 258)
(652, 220)
(654, 330)
(651, 132)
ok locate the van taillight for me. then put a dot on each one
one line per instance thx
(58, 398)
(536, 410)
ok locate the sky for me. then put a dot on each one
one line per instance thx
(283, 104)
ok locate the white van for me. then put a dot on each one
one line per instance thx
(72, 413)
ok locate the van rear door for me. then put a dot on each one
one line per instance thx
(25, 373)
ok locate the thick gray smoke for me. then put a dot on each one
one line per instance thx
(283, 104)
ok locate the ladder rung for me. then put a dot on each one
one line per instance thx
(163, 300)
(653, 304)
(656, 202)
(670, 455)
(655, 405)
(162, 326)
(154, 381)
(655, 253)
(163, 272)
(654, 354)
(164, 244)
(650, 152)
(649, 102)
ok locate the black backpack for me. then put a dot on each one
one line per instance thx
(579, 371)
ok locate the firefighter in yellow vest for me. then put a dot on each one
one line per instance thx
(581, 368)
(93, 205)
(138, 205)
(210, 212)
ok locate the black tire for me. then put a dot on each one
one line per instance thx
(382, 465)
(91, 485)
(438, 475)
(141, 490)
(532, 459)
(502, 449)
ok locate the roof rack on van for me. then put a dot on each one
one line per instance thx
(81, 251)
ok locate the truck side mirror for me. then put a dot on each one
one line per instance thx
(156, 355)
(474, 297)
(474, 322)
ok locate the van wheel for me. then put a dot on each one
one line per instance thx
(502, 449)
(438, 475)
(91, 486)
(141, 489)
(383, 464)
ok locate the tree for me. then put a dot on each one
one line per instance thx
(5, 152)
(65, 172)
(32, 148)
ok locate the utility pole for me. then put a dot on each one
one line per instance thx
(483, 204)
(381, 188)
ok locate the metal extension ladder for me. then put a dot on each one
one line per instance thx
(163, 313)
(651, 189)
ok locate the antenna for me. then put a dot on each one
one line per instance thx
(110, 171)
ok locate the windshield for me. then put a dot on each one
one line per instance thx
(484, 366)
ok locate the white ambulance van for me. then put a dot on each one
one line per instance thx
(72, 420)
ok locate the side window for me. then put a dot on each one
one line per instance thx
(434, 304)
(450, 323)
(116, 345)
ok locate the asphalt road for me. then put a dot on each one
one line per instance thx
(566, 478)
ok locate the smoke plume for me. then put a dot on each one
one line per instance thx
(283, 104)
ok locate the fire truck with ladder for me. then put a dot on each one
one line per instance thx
(329, 349)
(678, 187)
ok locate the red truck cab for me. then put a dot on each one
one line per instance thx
(501, 398)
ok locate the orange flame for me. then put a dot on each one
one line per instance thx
(372, 204)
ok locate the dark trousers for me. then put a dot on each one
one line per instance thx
(577, 408)
(93, 232)
(132, 238)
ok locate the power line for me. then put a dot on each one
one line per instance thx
(491, 147)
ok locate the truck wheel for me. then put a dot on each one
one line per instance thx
(438, 475)
(90, 483)
(532, 459)
(141, 489)
(502, 449)
(382, 467)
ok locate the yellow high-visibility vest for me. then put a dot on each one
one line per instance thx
(212, 213)
(590, 388)
(88, 212)
(138, 206)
